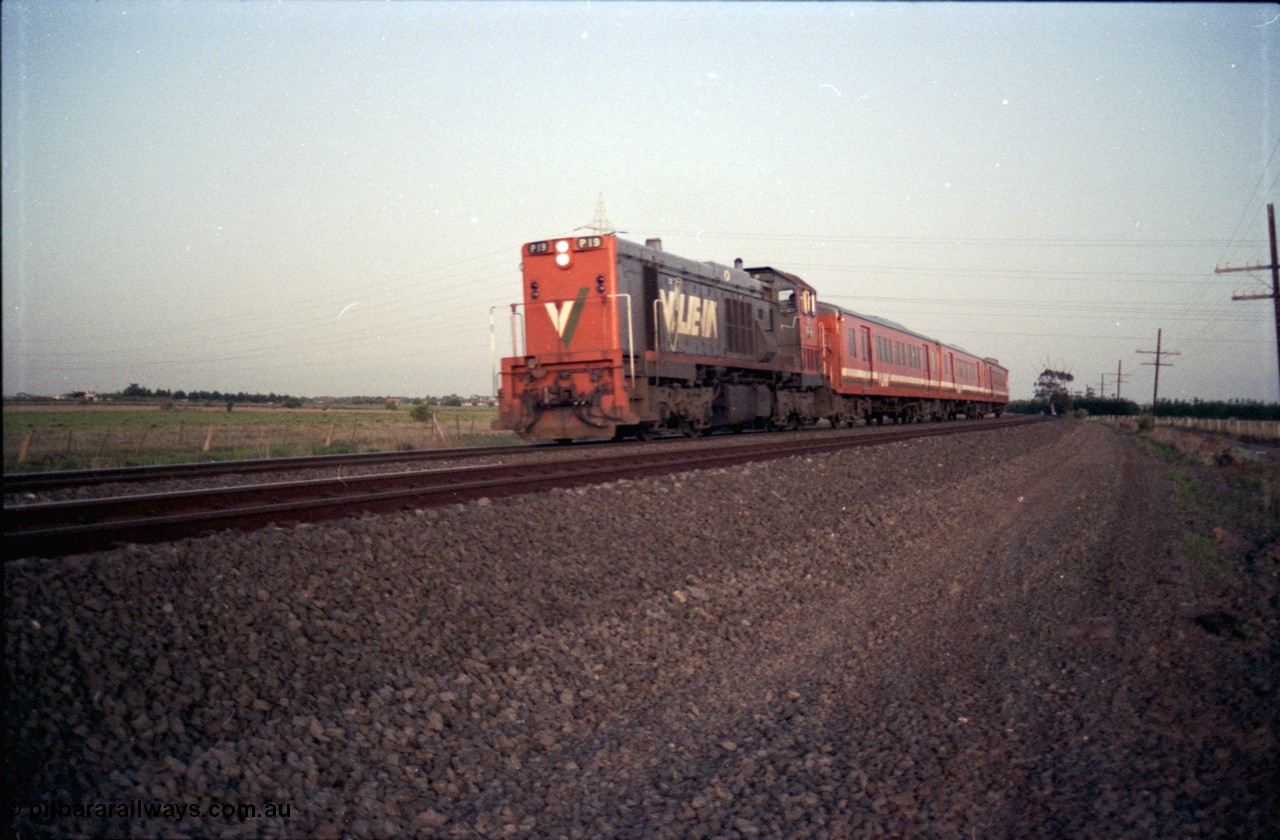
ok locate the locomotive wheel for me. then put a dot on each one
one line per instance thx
(644, 431)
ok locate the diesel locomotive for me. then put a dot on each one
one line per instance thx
(615, 339)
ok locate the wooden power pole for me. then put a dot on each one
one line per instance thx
(1159, 354)
(1274, 268)
(1121, 377)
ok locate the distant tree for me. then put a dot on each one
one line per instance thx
(1052, 386)
(292, 402)
(420, 413)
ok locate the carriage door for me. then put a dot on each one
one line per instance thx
(831, 358)
(864, 343)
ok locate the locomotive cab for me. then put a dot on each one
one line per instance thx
(797, 323)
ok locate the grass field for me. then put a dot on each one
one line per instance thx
(45, 437)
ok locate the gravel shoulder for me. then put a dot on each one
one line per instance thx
(1055, 630)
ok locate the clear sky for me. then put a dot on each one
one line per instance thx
(325, 198)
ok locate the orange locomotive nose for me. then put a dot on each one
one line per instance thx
(569, 382)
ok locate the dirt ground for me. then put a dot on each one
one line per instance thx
(1060, 630)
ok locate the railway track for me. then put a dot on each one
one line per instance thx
(63, 479)
(67, 527)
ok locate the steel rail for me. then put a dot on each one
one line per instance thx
(58, 528)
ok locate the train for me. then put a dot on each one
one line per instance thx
(613, 339)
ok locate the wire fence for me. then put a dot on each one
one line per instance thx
(1268, 430)
(70, 448)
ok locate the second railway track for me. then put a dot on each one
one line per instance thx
(65, 527)
(64, 479)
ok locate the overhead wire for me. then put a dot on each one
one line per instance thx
(397, 310)
(275, 331)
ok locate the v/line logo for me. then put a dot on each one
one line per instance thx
(565, 316)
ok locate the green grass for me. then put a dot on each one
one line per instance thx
(1203, 552)
(1244, 503)
(1187, 488)
(1167, 451)
(78, 436)
(24, 418)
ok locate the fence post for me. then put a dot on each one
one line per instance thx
(22, 450)
(208, 440)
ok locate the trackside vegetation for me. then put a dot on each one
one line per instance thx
(1205, 409)
(160, 431)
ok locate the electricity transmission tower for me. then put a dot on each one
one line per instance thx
(1274, 268)
(601, 223)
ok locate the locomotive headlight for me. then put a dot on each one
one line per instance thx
(533, 290)
(600, 283)
(562, 254)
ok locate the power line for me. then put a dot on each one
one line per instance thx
(957, 240)
(1249, 203)
(1143, 277)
